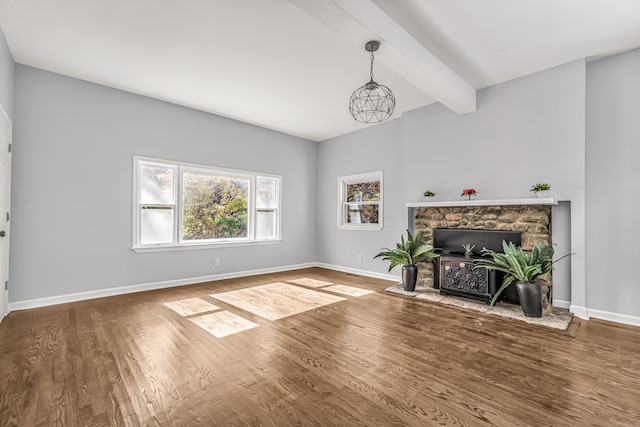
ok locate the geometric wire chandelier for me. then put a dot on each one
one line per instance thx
(372, 102)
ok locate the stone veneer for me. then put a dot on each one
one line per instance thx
(533, 221)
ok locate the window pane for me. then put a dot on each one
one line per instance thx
(214, 207)
(156, 185)
(266, 225)
(363, 192)
(266, 193)
(359, 214)
(156, 225)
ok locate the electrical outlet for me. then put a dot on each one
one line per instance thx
(216, 262)
(360, 257)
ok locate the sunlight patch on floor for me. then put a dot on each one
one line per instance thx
(223, 323)
(272, 301)
(312, 283)
(191, 306)
(276, 300)
(348, 290)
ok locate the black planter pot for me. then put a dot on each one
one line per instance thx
(530, 296)
(409, 277)
(510, 295)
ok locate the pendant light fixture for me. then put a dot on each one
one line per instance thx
(372, 102)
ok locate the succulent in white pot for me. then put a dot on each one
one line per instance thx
(429, 195)
(541, 189)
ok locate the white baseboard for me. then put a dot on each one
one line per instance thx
(586, 313)
(122, 290)
(579, 311)
(561, 304)
(615, 317)
(359, 272)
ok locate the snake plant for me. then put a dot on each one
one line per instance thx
(518, 265)
(408, 252)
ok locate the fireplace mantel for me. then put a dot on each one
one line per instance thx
(494, 202)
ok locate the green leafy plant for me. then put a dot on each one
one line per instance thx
(518, 265)
(543, 186)
(428, 193)
(408, 252)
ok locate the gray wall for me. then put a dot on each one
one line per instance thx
(371, 149)
(524, 131)
(72, 184)
(7, 72)
(613, 176)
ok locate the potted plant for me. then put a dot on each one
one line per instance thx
(469, 193)
(523, 269)
(408, 253)
(541, 189)
(429, 194)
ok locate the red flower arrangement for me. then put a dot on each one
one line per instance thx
(468, 192)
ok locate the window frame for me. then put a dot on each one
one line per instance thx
(343, 181)
(275, 208)
(178, 243)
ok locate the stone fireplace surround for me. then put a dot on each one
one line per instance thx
(531, 217)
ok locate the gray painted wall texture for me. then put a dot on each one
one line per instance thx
(613, 176)
(369, 150)
(7, 77)
(72, 186)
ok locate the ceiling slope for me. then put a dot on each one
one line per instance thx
(419, 65)
(291, 65)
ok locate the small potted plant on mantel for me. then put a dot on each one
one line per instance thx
(428, 195)
(469, 193)
(541, 189)
(523, 269)
(408, 253)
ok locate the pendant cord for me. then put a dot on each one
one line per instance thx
(371, 70)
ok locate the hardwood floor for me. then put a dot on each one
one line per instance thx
(375, 360)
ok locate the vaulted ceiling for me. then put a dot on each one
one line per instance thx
(291, 65)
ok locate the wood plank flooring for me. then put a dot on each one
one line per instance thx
(372, 360)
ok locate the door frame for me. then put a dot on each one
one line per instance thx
(6, 126)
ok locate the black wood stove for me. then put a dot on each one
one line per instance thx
(454, 269)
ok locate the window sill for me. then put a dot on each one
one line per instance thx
(361, 227)
(146, 249)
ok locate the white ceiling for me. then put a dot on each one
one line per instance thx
(291, 65)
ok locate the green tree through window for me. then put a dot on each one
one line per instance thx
(215, 207)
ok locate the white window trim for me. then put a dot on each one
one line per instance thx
(178, 244)
(342, 187)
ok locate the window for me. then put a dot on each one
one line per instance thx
(360, 202)
(179, 205)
